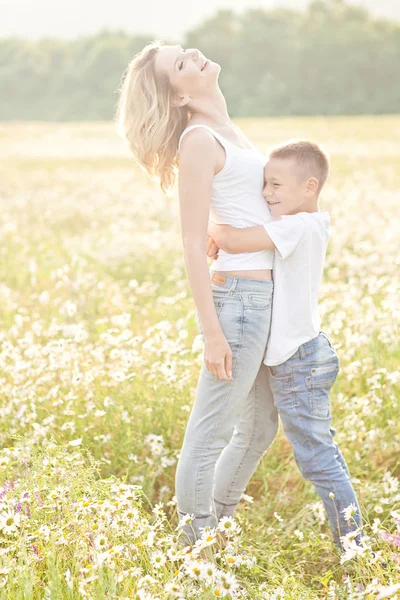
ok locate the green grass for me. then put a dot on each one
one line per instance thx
(98, 344)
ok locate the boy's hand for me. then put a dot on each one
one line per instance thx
(220, 234)
(212, 248)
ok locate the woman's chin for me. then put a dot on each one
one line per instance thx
(214, 67)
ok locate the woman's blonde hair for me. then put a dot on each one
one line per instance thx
(146, 119)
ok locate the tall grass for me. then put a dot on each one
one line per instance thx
(100, 353)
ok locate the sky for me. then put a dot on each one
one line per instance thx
(158, 18)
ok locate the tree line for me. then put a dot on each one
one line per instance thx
(331, 59)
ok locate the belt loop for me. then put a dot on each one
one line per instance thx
(302, 352)
(233, 286)
(326, 337)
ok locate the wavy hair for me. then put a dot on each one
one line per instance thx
(146, 119)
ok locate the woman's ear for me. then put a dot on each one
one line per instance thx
(179, 101)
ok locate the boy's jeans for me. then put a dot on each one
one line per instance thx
(301, 387)
(233, 422)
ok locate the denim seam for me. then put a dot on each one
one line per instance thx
(295, 403)
(181, 512)
(224, 503)
(233, 481)
(295, 406)
(224, 402)
(256, 407)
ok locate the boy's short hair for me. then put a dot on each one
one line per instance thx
(312, 158)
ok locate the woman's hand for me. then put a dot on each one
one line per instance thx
(218, 356)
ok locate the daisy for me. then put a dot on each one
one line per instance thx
(146, 580)
(69, 579)
(208, 572)
(158, 559)
(9, 522)
(388, 592)
(4, 460)
(193, 569)
(351, 548)
(100, 542)
(229, 582)
(185, 520)
(299, 534)
(349, 511)
(174, 554)
(208, 537)
(229, 526)
(173, 589)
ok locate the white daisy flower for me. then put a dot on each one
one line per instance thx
(101, 542)
(146, 580)
(158, 559)
(68, 579)
(185, 520)
(388, 592)
(174, 553)
(351, 548)
(209, 572)
(9, 522)
(76, 442)
(247, 498)
(299, 534)
(376, 525)
(229, 582)
(174, 589)
(229, 526)
(231, 560)
(193, 569)
(208, 536)
(349, 511)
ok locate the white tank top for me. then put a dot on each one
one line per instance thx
(237, 200)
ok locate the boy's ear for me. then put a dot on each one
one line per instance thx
(312, 185)
(179, 101)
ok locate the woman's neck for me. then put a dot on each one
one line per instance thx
(211, 109)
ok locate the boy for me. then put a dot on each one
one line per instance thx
(302, 363)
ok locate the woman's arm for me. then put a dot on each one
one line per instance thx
(197, 164)
(235, 240)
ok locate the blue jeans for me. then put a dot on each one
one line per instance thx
(233, 422)
(301, 387)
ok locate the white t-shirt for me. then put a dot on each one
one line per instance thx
(301, 241)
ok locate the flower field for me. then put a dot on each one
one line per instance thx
(99, 358)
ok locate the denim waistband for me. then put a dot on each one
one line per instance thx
(232, 284)
(309, 347)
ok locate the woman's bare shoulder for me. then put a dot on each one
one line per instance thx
(198, 144)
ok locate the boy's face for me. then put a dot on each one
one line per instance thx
(284, 189)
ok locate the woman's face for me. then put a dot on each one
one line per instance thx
(189, 72)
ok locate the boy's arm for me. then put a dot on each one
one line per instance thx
(235, 240)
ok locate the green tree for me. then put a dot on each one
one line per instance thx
(333, 58)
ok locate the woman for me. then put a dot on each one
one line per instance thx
(173, 113)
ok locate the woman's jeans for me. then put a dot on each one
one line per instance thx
(301, 387)
(232, 422)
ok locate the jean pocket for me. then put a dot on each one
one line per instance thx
(258, 301)
(282, 386)
(319, 384)
(219, 304)
(323, 376)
